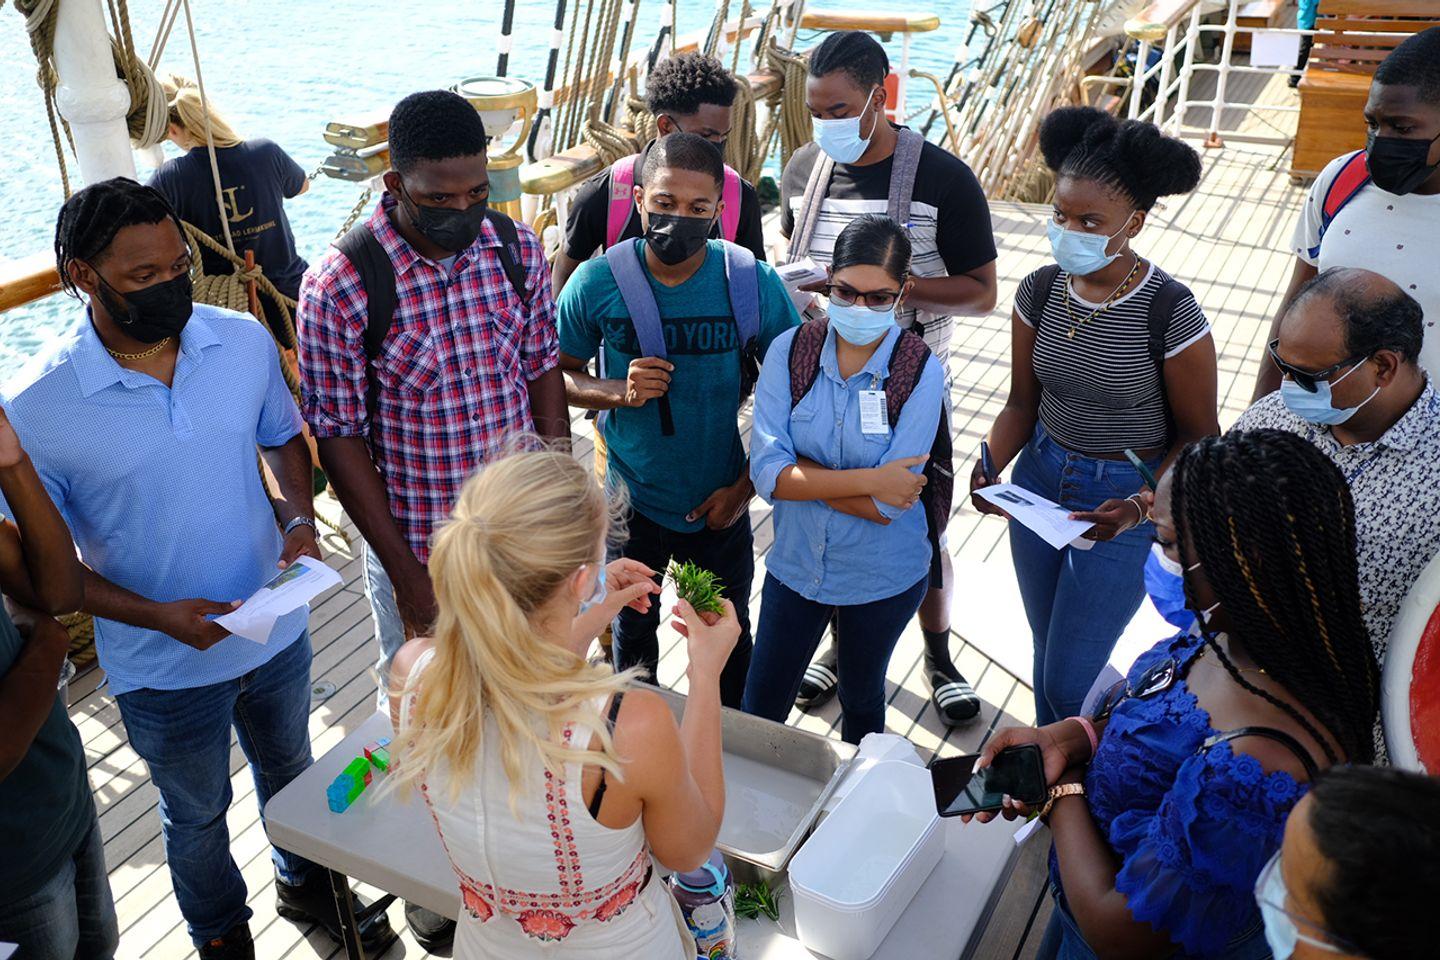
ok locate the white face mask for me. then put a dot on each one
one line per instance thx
(841, 139)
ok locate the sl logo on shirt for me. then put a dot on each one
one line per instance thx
(232, 206)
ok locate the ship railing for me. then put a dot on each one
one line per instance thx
(1175, 29)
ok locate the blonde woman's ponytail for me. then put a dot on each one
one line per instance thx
(187, 112)
(520, 528)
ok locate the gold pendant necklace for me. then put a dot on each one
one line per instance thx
(1114, 294)
(143, 354)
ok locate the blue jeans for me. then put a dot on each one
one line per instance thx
(184, 738)
(790, 630)
(73, 915)
(385, 612)
(728, 553)
(1078, 602)
(1064, 941)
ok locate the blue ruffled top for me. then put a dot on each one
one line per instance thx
(1192, 827)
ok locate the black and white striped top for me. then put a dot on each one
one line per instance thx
(1101, 391)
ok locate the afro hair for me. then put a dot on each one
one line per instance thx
(434, 125)
(681, 85)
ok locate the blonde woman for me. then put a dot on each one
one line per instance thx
(256, 178)
(551, 780)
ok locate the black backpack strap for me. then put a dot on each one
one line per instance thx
(1162, 310)
(1269, 733)
(377, 278)
(1040, 288)
(599, 797)
(512, 260)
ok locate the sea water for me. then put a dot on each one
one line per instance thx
(282, 68)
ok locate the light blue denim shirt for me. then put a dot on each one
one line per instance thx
(160, 485)
(820, 553)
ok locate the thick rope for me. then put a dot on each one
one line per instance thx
(795, 128)
(40, 27)
(149, 114)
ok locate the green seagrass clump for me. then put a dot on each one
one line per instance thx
(697, 586)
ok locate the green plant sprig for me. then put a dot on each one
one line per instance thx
(697, 586)
(753, 899)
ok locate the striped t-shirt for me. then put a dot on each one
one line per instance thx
(949, 219)
(1100, 390)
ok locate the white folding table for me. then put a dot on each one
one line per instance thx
(389, 841)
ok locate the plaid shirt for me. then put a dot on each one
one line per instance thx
(452, 373)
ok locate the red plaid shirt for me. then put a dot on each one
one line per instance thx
(452, 372)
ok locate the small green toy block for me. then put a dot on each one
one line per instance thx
(376, 753)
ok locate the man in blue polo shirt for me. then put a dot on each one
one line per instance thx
(143, 427)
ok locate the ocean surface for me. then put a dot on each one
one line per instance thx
(283, 68)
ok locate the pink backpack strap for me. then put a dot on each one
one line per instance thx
(622, 198)
(730, 216)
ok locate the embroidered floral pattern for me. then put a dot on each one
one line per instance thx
(545, 924)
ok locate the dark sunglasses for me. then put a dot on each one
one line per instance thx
(1308, 380)
(878, 300)
(1157, 679)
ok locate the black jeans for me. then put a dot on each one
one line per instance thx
(728, 553)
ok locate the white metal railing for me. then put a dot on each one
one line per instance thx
(1172, 101)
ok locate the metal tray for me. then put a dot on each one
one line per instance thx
(777, 779)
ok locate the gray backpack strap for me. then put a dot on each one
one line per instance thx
(624, 261)
(815, 189)
(743, 282)
(906, 160)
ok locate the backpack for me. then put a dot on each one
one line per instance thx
(907, 364)
(908, 145)
(377, 278)
(742, 282)
(1162, 308)
(1353, 177)
(622, 200)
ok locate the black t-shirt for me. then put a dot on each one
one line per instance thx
(256, 178)
(585, 228)
(943, 183)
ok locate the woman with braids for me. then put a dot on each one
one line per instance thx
(1167, 804)
(1108, 354)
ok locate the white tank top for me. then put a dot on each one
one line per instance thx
(552, 882)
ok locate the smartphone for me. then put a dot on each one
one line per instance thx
(987, 465)
(1146, 473)
(960, 789)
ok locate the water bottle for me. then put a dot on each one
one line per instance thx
(707, 900)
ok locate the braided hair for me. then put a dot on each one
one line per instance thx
(1129, 156)
(1271, 521)
(89, 221)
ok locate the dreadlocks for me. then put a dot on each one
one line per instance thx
(90, 219)
(1270, 519)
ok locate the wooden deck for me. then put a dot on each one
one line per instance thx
(1227, 240)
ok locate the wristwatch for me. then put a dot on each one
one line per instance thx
(302, 521)
(1058, 791)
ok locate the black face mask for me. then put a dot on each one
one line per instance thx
(677, 239)
(448, 229)
(151, 313)
(1399, 165)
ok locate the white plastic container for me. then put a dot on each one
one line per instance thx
(860, 869)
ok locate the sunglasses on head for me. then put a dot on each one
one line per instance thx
(1309, 380)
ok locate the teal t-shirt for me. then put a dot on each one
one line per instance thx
(670, 476)
(45, 803)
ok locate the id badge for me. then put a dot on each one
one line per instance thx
(873, 419)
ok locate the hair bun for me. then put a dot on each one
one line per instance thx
(1069, 127)
(1158, 165)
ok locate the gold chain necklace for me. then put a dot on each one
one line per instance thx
(1114, 294)
(143, 354)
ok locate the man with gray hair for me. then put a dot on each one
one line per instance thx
(1348, 351)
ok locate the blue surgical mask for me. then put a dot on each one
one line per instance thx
(841, 140)
(1165, 583)
(859, 324)
(1281, 932)
(1316, 407)
(1081, 254)
(598, 593)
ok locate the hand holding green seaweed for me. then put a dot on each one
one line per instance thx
(697, 586)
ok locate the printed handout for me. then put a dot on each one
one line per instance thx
(1049, 521)
(288, 590)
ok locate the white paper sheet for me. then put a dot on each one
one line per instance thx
(1049, 521)
(797, 274)
(1274, 49)
(289, 590)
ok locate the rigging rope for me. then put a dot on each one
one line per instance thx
(209, 133)
(795, 129)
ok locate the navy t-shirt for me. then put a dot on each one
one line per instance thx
(256, 178)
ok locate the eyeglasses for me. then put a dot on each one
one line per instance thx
(1157, 679)
(1309, 380)
(877, 300)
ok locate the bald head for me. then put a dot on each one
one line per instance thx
(1362, 311)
